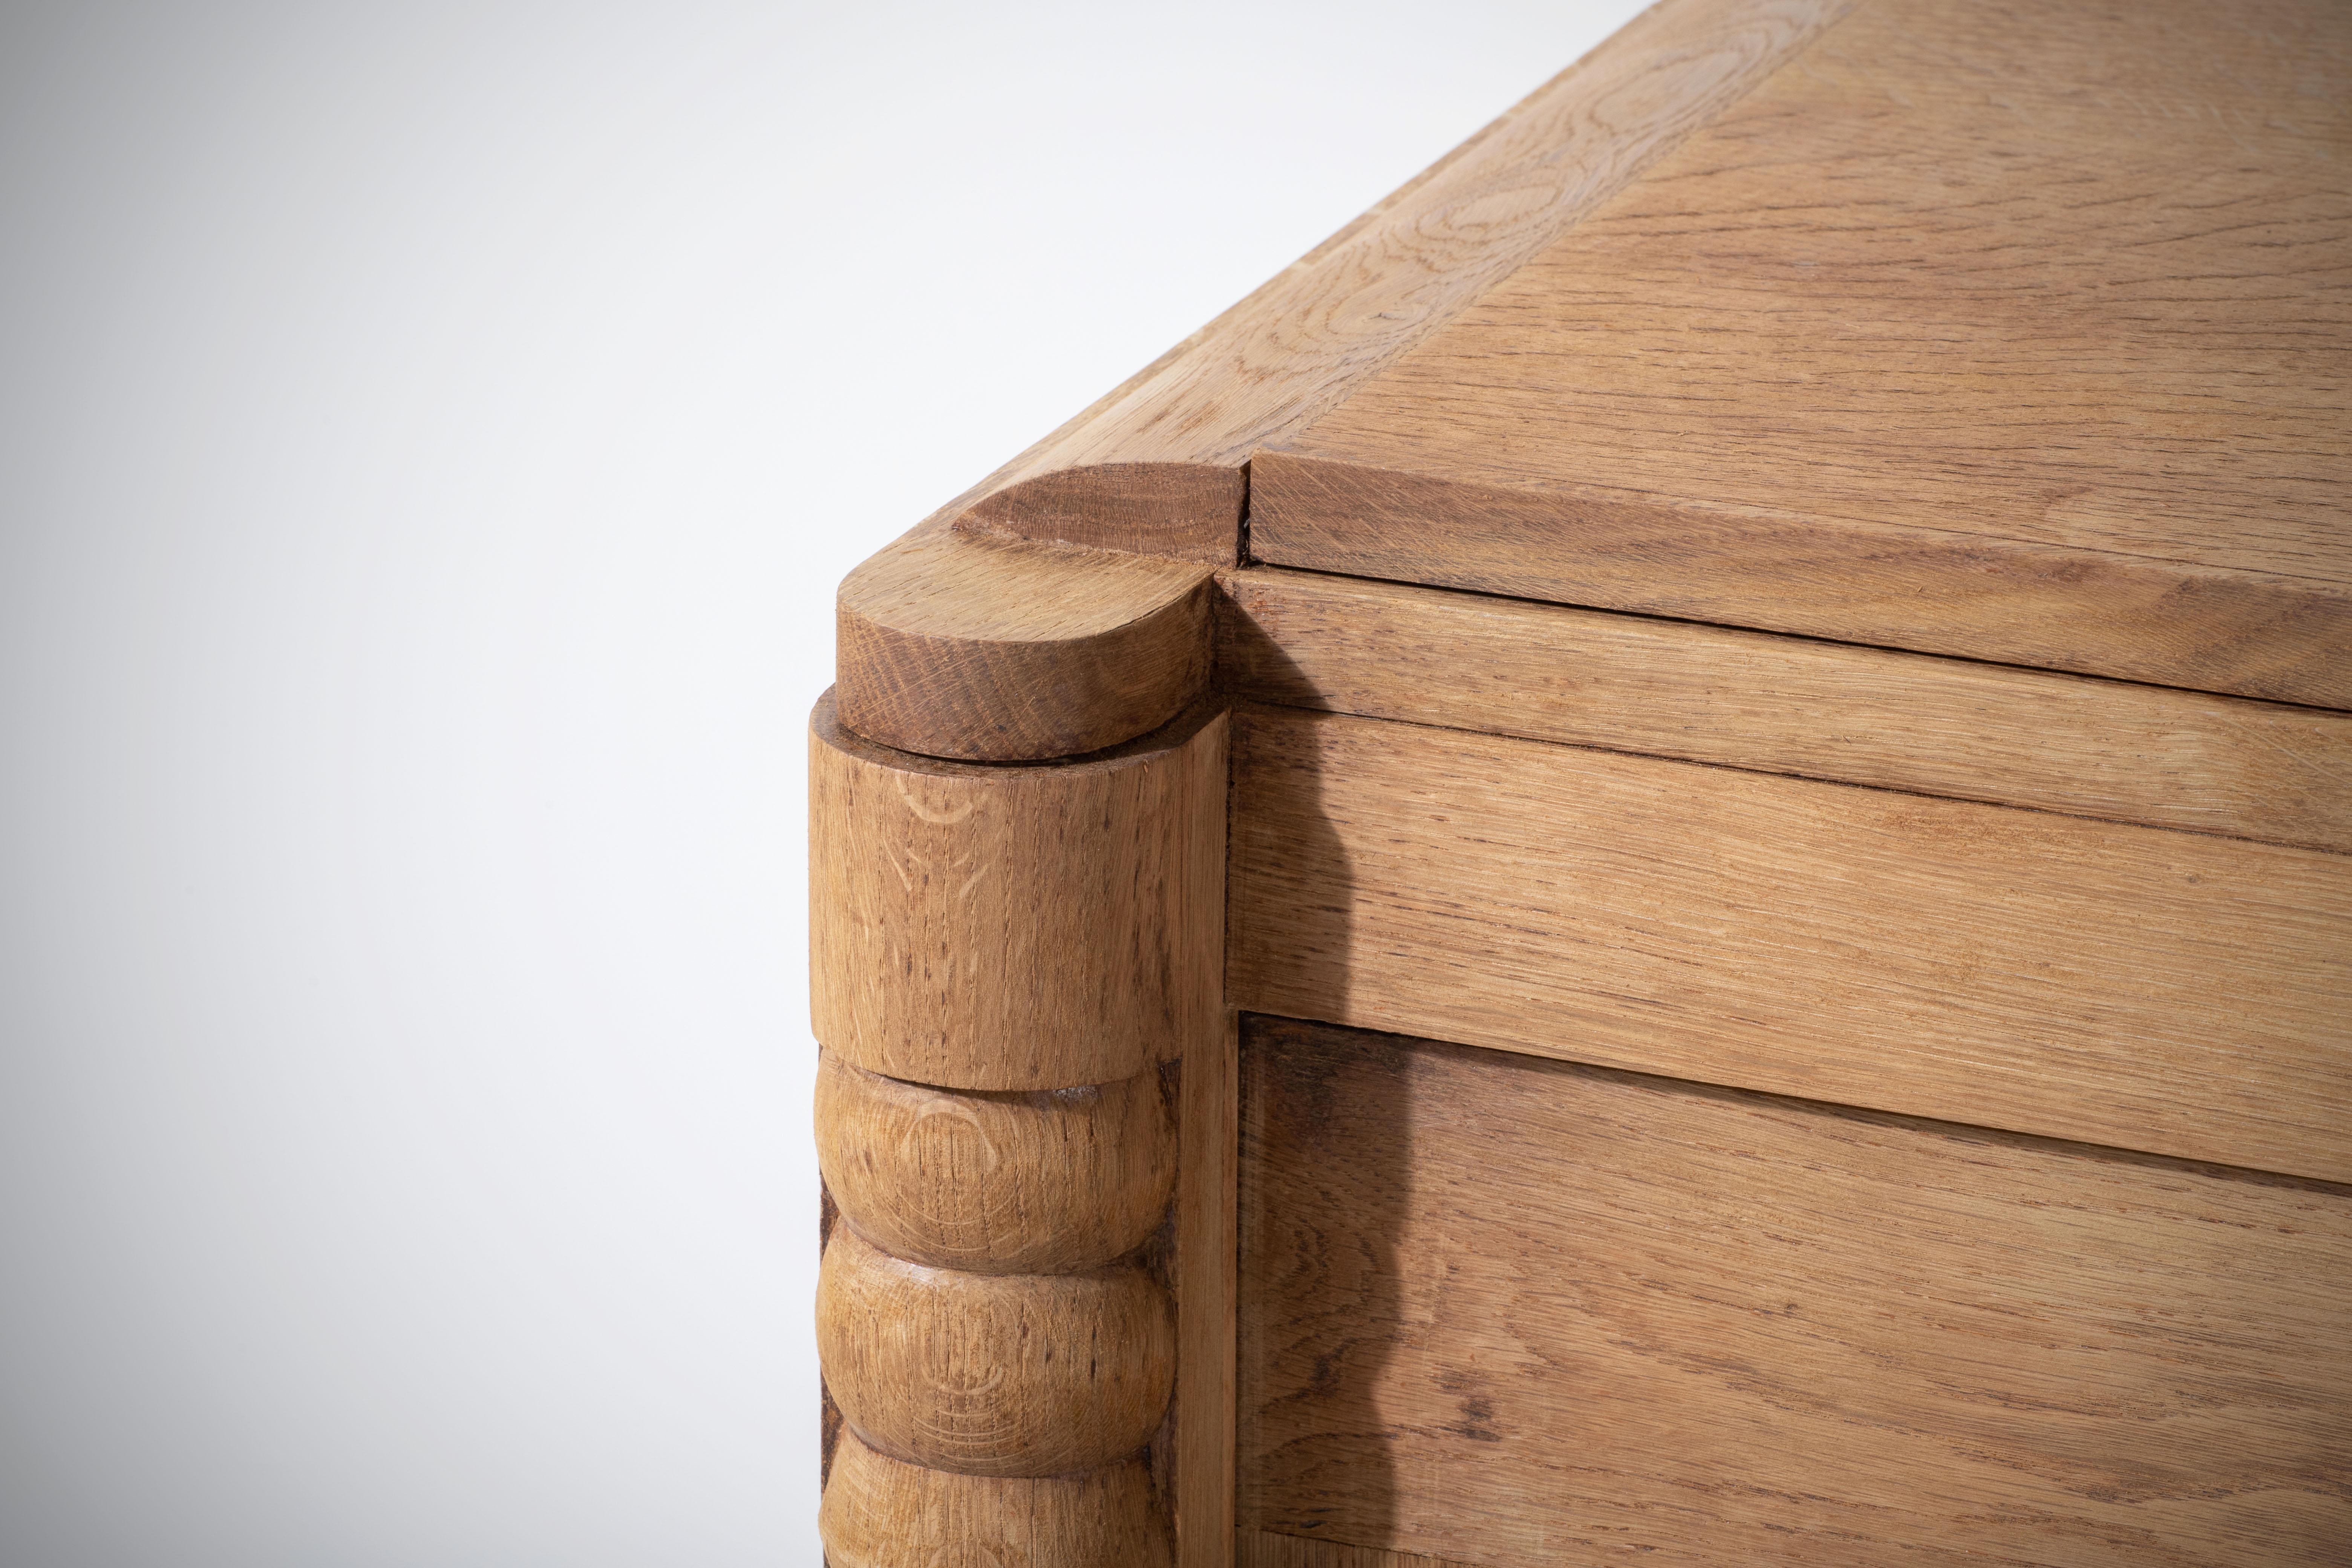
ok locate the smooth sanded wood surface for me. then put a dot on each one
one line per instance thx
(1048, 611)
(2019, 332)
(1207, 1292)
(1155, 464)
(2161, 991)
(880, 1513)
(1789, 705)
(1000, 651)
(994, 1374)
(1522, 1313)
(1264, 1549)
(1039, 927)
(1036, 1182)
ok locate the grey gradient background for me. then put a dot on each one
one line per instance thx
(429, 436)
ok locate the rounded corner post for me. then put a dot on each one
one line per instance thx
(1008, 945)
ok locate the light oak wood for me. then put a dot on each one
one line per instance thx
(1264, 1549)
(1827, 710)
(1523, 1313)
(1004, 958)
(2162, 990)
(879, 1513)
(2198, 627)
(1174, 437)
(1206, 1262)
(994, 1374)
(2018, 335)
(952, 646)
(1030, 927)
(959, 646)
(2011, 334)
(1182, 511)
(1036, 1182)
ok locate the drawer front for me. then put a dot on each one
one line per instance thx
(2147, 755)
(1515, 1312)
(2174, 992)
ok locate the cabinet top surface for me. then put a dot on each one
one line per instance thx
(2075, 275)
(2015, 332)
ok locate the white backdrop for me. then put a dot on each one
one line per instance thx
(429, 436)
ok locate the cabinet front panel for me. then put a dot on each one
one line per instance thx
(1503, 1311)
(2173, 992)
(2146, 754)
(1264, 1549)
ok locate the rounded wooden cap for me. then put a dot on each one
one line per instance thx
(979, 648)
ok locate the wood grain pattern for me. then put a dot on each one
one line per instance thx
(879, 1513)
(1184, 425)
(1026, 928)
(1264, 1549)
(994, 1374)
(999, 651)
(1206, 1251)
(1033, 1183)
(2020, 333)
(983, 634)
(1857, 715)
(1525, 1313)
(1051, 936)
(2276, 638)
(1182, 511)
(2162, 990)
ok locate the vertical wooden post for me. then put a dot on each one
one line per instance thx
(1017, 985)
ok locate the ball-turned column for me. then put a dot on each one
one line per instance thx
(1013, 965)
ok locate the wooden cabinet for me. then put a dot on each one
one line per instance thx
(1654, 864)
(1613, 1315)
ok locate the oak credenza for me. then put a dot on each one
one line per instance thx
(1654, 864)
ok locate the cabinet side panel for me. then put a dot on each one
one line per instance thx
(1519, 1312)
(2167, 992)
(2068, 743)
(1264, 1549)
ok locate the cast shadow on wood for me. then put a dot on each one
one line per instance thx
(1334, 1483)
(1318, 1461)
